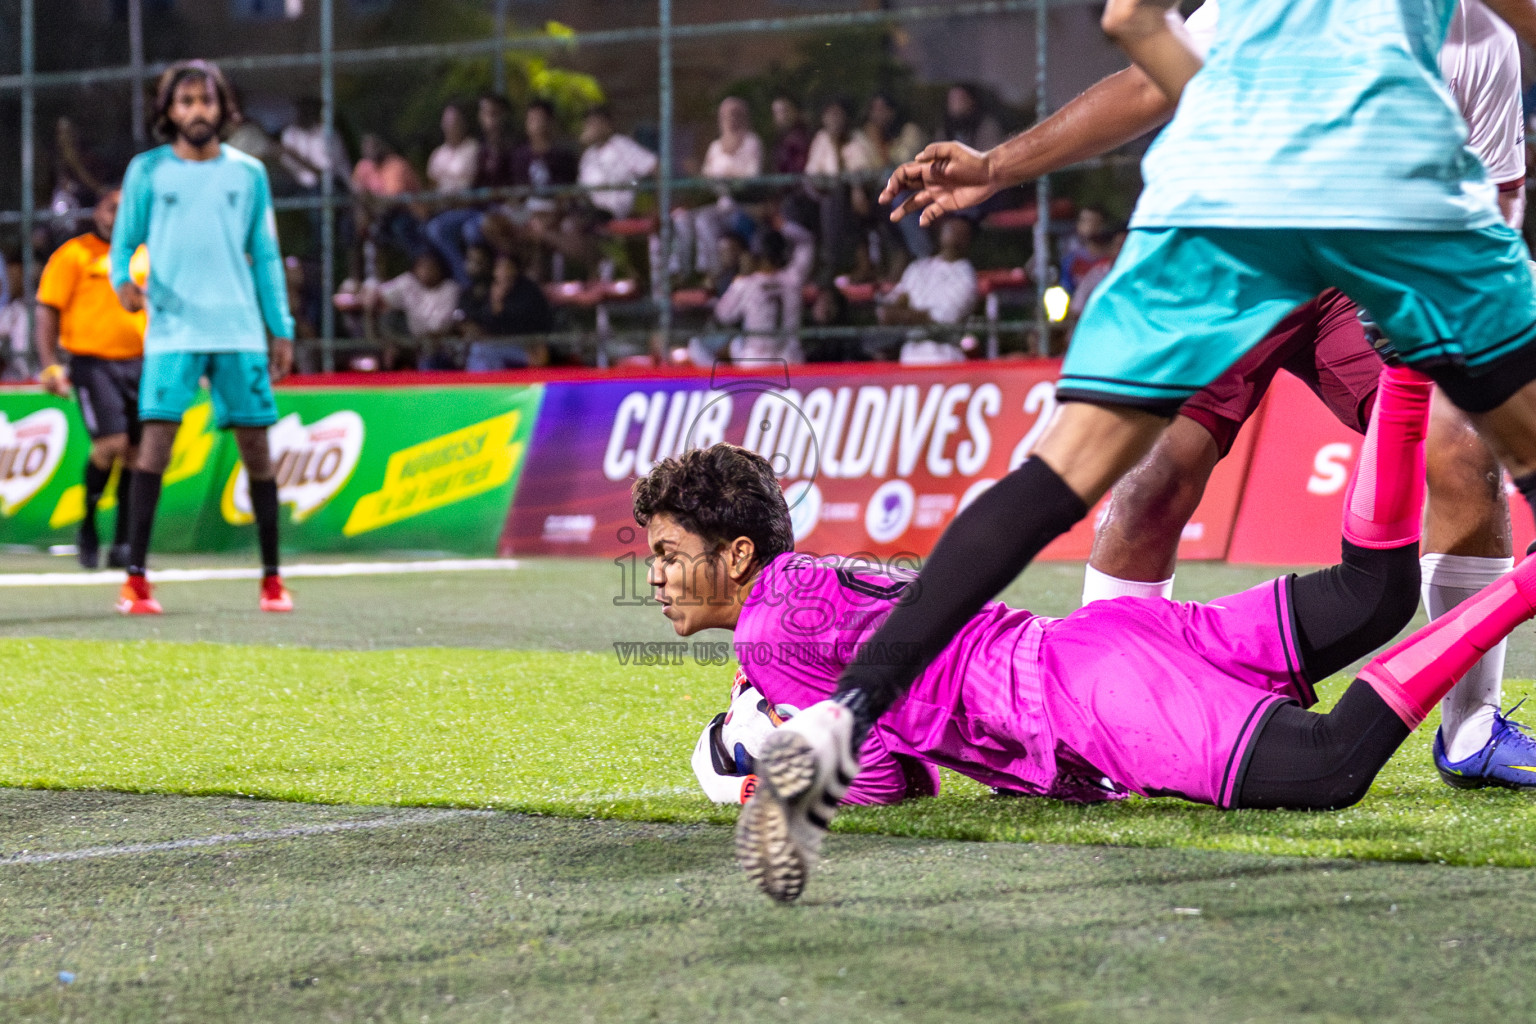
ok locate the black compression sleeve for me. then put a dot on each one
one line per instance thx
(1309, 762)
(1348, 610)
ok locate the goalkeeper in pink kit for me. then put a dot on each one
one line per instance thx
(1161, 698)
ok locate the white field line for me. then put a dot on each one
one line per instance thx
(291, 832)
(85, 579)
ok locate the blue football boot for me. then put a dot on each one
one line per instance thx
(1508, 760)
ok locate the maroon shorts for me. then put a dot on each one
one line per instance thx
(1322, 343)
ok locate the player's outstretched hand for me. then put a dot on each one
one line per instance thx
(281, 363)
(944, 178)
(131, 296)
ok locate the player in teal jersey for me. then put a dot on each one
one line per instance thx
(1319, 148)
(216, 290)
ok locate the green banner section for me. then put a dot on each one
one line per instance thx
(428, 469)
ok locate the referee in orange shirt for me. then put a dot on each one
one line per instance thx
(78, 310)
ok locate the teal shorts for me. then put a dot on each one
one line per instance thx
(240, 383)
(1181, 305)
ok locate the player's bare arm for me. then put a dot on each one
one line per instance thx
(948, 176)
(54, 377)
(1153, 35)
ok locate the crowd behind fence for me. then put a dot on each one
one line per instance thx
(512, 245)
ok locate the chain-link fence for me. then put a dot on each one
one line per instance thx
(75, 99)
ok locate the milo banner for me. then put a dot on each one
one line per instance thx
(415, 468)
(872, 460)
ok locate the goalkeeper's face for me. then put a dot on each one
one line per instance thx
(698, 585)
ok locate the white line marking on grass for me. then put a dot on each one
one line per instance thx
(85, 579)
(291, 832)
(641, 794)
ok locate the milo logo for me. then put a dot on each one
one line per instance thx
(312, 463)
(30, 452)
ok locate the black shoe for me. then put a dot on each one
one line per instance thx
(87, 548)
(117, 556)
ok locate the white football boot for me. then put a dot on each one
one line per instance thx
(805, 767)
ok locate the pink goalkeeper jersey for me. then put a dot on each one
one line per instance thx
(976, 709)
(1162, 697)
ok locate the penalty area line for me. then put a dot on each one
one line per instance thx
(202, 842)
(303, 570)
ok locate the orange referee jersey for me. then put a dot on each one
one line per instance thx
(77, 283)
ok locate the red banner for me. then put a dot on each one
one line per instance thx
(875, 460)
(1293, 504)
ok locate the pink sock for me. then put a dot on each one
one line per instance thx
(1414, 675)
(1384, 505)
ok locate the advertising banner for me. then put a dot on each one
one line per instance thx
(872, 460)
(43, 451)
(415, 468)
(1293, 505)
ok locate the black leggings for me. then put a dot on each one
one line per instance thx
(1306, 761)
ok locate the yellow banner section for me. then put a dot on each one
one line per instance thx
(439, 472)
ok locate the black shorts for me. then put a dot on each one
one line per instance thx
(108, 390)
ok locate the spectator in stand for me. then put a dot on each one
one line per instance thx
(766, 303)
(793, 146)
(611, 159)
(737, 153)
(513, 305)
(543, 160)
(939, 289)
(734, 259)
(966, 122)
(887, 138)
(426, 297)
(832, 153)
(453, 231)
(379, 177)
(14, 345)
(452, 165)
(1090, 246)
(306, 153)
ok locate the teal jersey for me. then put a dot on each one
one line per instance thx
(216, 279)
(1319, 114)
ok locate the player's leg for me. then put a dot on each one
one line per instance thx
(1136, 541)
(1140, 351)
(1348, 610)
(243, 401)
(168, 387)
(1468, 544)
(126, 374)
(1307, 761)
(103, 408)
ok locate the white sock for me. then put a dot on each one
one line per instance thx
(1099, 586)
(1466, 713)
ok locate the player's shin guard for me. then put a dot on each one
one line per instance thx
(144, 498)
(124, 503)
(264, 506)
(980, 553)
(1414, 675)
(95, 486)
(1384, 505)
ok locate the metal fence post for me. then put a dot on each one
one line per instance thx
(136, 61)
(662, 287)
(499, 58)
(328, 187)
(1042, 190)
(28, 153)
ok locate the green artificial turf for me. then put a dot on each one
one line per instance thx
(580, 734)
(511, 919)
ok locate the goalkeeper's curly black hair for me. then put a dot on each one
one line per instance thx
(720, 493)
